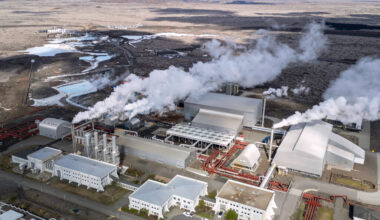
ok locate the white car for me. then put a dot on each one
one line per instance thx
(188, 214)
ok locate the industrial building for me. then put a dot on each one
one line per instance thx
(85, 171)
(249, 108)
(248, 201)
(159, 152)
(38, 161)
(158, 197)
(97, 144)
(308, 147)
(54, 128)
(248, 158)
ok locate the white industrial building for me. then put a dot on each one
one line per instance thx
(85, 171)
(43, 159)
(248, 201)
(54, 128)
(38, 161)
(248, 158)
(249, 108)
(159, 152)
(308, 147)
(157, 197)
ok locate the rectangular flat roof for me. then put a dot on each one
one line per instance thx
(11, 215)
(235, 103)
(154, 147)
(246, 194)
(158, 193)
(86, 165)
(45, 153)
(201, 134)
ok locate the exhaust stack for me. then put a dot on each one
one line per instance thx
(270, 145)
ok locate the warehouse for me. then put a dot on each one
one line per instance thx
(85, 171)
(248, 158)
(54, 128)
(158, 197)
(248, 201)
(250, 109)
(159, 152)
(308, 147)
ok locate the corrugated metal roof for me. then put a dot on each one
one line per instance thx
(304, 147)
(341, 142)
(221, 121)
(53, 123)
(158, 193)
(45, 153)
(86, 165)
(248, 157)
(235, 103)
(154, 147)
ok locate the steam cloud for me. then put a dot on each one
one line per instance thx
(273, 93)
(250, 68)
(354, 96)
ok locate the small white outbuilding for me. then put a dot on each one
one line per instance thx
(248, 158)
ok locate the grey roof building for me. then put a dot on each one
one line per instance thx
(308, 147)
(54, 128)
(249, 108)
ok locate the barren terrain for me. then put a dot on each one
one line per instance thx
(353, 31)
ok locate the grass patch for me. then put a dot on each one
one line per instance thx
(208, 215)
(212, 194)
(5, 163)
(325, 214)
(134, 172)
(298, 214)
(111, 194)
(353, 183)
(142, 213)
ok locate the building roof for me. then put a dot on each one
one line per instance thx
(246, 194)
(364, 213)
(154, 147)
(248, 157)
(217, 120)
(53, 123)
(45, 153)
(158, 193)
(201, 134)
(223, 101)
(342, 143)
(86, 165)
(304, 147)
(11, 215)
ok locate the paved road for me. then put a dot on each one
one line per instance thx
(107, 210)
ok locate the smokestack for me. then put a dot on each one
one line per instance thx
(73, 137)
(270, 145)
(104, 147)
(264, 105)
(96, 142)
(87, 137)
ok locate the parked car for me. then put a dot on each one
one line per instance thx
(188, 214)
(220, 214)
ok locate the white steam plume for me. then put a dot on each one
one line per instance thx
(250, 68)
(354, 96)
(272, 93)
(301, 90)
